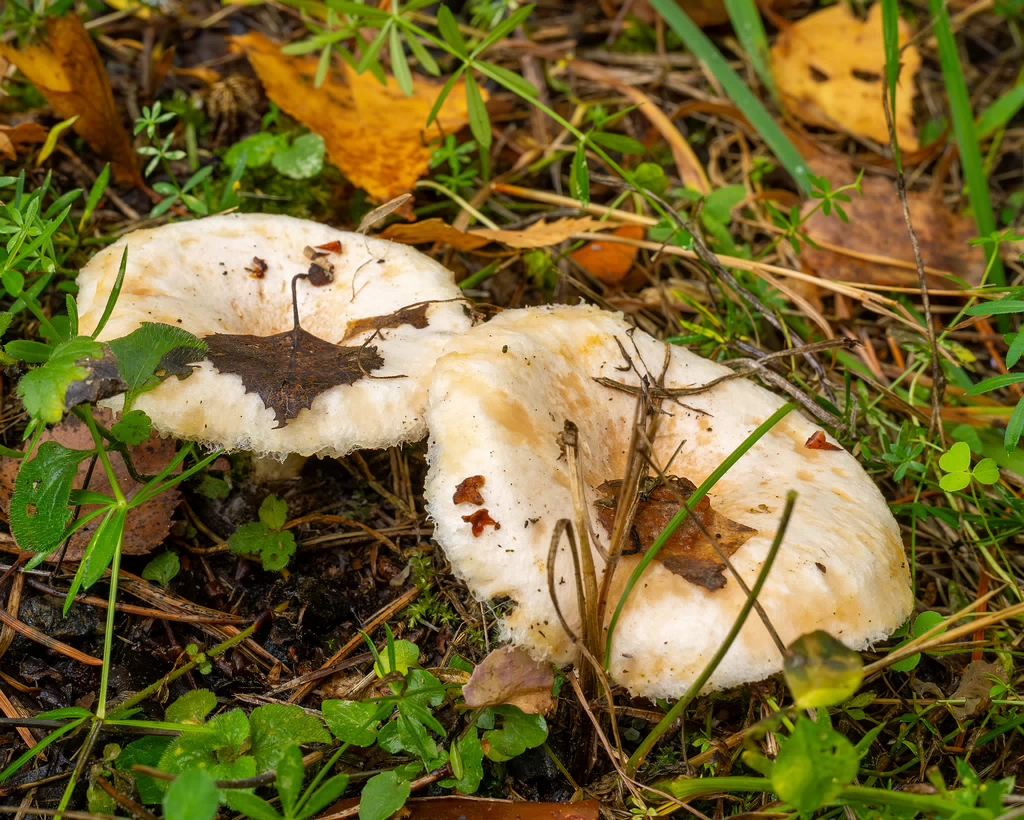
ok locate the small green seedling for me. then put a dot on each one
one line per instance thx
(956, 464)
(266, 537)
(924, 622)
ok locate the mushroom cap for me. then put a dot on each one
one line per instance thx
(194, 275)
(497, 404)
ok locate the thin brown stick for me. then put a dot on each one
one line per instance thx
(138, 811)
(938, 376)
(52, 644)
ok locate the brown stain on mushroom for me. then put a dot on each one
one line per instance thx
(479, 521)
(515, 418)
(468, 491)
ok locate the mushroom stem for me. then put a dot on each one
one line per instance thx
(676, 711)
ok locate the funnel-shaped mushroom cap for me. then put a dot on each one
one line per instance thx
(498, 483)
(233, 275)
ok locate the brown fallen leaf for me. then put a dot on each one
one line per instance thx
(13, 137)
(540, 234)
(817, 441)
(147, 526)
(688, 553)
(509, 676)
(877, 228)
(978, 679)
(610, 262)
(830, 69)
(373, 133)
(68, 71)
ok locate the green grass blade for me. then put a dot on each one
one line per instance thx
(966, 136)
(705, 50)
(891, 38)
(746, 20)
(1000, 112)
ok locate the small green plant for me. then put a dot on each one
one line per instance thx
(267, 537)
(923, 623)
(162, 569)
(462, 171)
(956, 464)
(161, 153)
(903, 453)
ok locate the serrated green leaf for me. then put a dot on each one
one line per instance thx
(231, 730)
(192, 796)
(274, 512)
(352, 721)
(134, 427)
(192, 707)
(249, 538)
(39, 512)
(303, 159)
(258, 150)
(162, 569)
(813, 766)
(384, 794)
(44, 390)
(957, 458)
(277, 726)
(152, 353)
(145, 751)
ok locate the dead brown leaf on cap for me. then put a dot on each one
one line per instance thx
(688, 553)
(509, 676)
(414, 315)
(829, 68)
(374, 133)
(68, 71)
(289, 370)
(147, 525)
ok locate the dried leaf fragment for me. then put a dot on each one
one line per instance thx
(14, 137)
(414, 315)
(68, 71)
(688, 553)
(468, 491)
(975, 686)
(289, 370)
(540, 234)
(817, 441)
(830, 69)
(509, 676)
(374, 133)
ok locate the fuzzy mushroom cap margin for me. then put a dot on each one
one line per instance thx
(201, 276)
(497, 403)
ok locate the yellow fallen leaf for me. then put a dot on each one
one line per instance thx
(13, 137)
(68, 71)
(830, 69)
(539, 235)
(374, 133)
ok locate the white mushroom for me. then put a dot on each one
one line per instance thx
(234, 275)
(498, 483)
